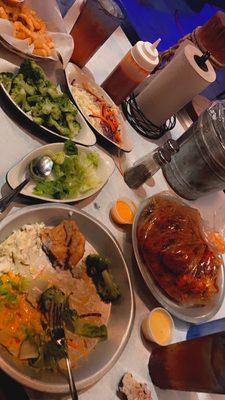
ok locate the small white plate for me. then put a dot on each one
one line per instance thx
(74, 73)
(17, 174)
(85, 137)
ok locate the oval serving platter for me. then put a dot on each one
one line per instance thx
(17, 174)
(106, 353)
(85, 137)
(74, 73)
(192, 314)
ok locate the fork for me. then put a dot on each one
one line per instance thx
(58, 335)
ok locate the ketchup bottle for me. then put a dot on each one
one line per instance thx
(131, 71)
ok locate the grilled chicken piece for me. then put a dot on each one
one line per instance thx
(63, 244)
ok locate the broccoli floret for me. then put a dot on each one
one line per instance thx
(66, 105)
(50, 108)
(73, 125)
(36, 98)
(18, 81)
(60, 128)
(18, 94)
(31, 71)
(36, 110)
(70, 148)
(6, 79)
(46, 108)
(43, 86)
(26, 106)
(54, 92)
(52, 294)
(92, 331)
(46, 87)
(98, 270)
(38, 120)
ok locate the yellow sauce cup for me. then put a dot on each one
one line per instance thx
(158, 326)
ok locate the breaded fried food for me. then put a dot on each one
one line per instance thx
(63, 244)
(28, 25)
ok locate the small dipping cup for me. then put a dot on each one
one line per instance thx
(158, 327)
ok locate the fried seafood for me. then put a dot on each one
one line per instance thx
(64, 244)
(28, 25)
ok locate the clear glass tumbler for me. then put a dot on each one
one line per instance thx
(97, 21)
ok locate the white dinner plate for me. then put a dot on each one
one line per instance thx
(85, 137)
(17, 174)
(102, 358)
(193, 314)
(74, 73)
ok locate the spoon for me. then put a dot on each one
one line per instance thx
(39, 168)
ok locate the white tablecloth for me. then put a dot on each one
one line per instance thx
(16, 143)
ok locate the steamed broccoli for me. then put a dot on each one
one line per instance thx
(54, 92)
(73, 125)
(59, 126)
(43, 86)
(98, 270)
(46, 107)
(52, 294)
(38, 120)
(6, 79)
(36, 98)
(66, 105)
(47, 104)
(70, 148)
(31, 71)
(18, 94)
(19, 91)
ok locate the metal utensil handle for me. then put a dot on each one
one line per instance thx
(73, 390)
(6, 200)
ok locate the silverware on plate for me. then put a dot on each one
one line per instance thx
(40, 168)
(58, 335)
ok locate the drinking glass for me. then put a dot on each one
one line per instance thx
(97, 21)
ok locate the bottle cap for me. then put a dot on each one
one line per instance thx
(146, 54)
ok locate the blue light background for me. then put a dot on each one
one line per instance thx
(168, 19)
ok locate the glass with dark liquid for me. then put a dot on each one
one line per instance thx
(97, 21)
(195, 365)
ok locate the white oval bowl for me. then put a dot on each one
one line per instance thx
(17, 174)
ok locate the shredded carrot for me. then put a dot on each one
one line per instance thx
(107, 114)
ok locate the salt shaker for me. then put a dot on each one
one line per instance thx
(147, 166)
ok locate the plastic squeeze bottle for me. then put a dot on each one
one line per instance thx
(132, 70)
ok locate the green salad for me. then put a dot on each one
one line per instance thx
(74, 173)
(39, 97)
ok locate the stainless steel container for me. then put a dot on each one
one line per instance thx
(199, 166)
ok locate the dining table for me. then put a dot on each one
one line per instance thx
(16, 140)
